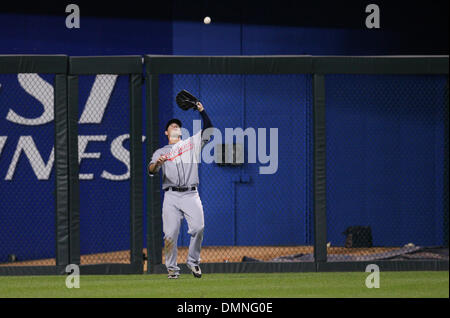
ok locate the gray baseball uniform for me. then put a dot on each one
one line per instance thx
(180, 170)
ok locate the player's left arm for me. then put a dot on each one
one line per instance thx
(206, 121)
(203, 137)
(207, 125)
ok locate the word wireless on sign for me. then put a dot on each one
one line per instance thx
(93, 114)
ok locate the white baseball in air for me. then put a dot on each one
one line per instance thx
(207, 20)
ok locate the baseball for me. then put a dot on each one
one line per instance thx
(207, 20)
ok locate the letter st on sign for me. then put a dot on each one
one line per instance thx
(14, 150)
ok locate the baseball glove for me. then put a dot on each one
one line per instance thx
(186, 100)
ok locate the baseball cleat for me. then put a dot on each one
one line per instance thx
(173, 275)
(196, 271)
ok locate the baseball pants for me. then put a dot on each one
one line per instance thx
(177, 205)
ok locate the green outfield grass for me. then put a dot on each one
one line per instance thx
(286, 285)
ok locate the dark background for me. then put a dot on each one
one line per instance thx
(422, 26)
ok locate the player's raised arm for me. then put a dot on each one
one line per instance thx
(205, 132)
(206, 121)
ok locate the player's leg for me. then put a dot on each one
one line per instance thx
(193, 212)
(171, 217)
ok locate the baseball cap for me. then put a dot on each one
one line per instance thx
(173, 120)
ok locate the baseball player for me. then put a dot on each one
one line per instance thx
(179, 161)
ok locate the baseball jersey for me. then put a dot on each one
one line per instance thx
(181, 167)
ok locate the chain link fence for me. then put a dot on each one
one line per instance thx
(386, 166)
(250, 215)
(386, 163)
(27, 181)
(104, 171)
